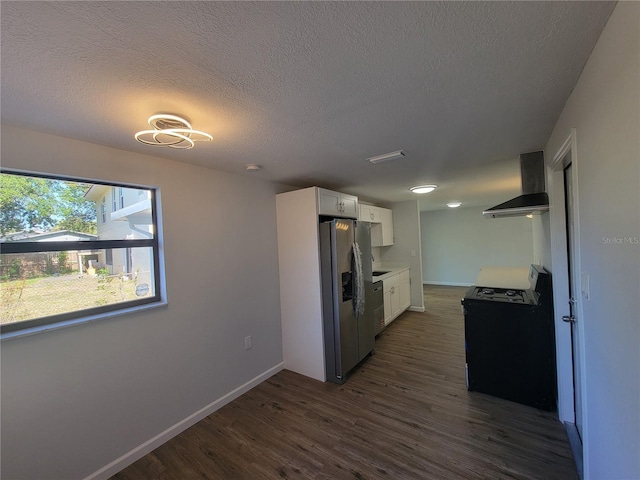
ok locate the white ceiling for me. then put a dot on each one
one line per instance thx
(309, 90)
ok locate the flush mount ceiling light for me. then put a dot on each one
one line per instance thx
(252, 167)
(423, 188)
(453, 204)
(171, 131)
(388, 156)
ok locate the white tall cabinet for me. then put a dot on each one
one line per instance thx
(300, 276)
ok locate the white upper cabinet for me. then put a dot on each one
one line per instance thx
(369, 213)
(382, 230)
(337, 204)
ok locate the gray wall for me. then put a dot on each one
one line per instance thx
(406, 230)
(75, 399)
(457, 242)
(604, 110)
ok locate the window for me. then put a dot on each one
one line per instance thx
(59, 263)
(114, 201)
(104, 210)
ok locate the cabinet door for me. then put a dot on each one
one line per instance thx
(375, 215)
(388, 314)
(328, 202)
(395, 300)
(348, 206)
(376, 235)
(386, 219)
(369, 213)
(365, 213)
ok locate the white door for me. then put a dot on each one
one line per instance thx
(573, 292)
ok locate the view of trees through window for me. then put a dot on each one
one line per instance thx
(41, 204)
(58, 261)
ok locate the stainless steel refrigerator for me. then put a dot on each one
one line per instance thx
(349, 335)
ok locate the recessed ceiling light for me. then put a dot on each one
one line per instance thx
(171, 131)
(388, 156)
(453, 204)
(252, 167)
(423, 188)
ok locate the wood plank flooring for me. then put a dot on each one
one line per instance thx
(404, 414)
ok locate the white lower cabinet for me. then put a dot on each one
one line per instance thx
(397, 295)
(404, 290)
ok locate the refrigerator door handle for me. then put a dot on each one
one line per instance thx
(358, 294)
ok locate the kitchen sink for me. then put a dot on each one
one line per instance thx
(377, 273)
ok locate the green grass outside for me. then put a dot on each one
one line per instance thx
(40, 297)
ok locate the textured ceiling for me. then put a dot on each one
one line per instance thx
(309, 90)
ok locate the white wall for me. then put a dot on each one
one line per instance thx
(604, 108)
(75, 399)
(406, 233)
(457, 242)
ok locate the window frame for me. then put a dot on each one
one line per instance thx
(56, 246)
(114, 203)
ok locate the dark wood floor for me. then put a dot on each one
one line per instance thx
(404, 414)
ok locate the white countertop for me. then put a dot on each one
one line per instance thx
(391, 270)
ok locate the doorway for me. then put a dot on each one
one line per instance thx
(572, 318)
(568, 291)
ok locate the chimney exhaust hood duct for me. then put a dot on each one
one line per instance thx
(534, 198)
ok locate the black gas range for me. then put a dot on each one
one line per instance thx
(508, 295)
(510, 341)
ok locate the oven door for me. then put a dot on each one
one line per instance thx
(509, 353)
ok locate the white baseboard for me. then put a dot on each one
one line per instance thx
(141, 450)
(416, 309)
(449, 284)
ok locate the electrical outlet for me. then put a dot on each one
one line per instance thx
(413, 253)
(247, 342)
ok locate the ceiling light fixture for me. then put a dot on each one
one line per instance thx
(453, 204)
(252, 167)
(388, 156)
(171, 131)
(423, 188)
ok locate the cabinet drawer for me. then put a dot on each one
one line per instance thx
(389, 283)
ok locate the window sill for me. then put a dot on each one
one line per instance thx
(79, 321)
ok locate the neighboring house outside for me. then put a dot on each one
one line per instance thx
(39, 236)
(123, 213)
(35, 264)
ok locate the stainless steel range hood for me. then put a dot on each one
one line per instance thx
(534, 198)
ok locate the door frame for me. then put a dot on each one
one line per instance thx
(567, 153)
